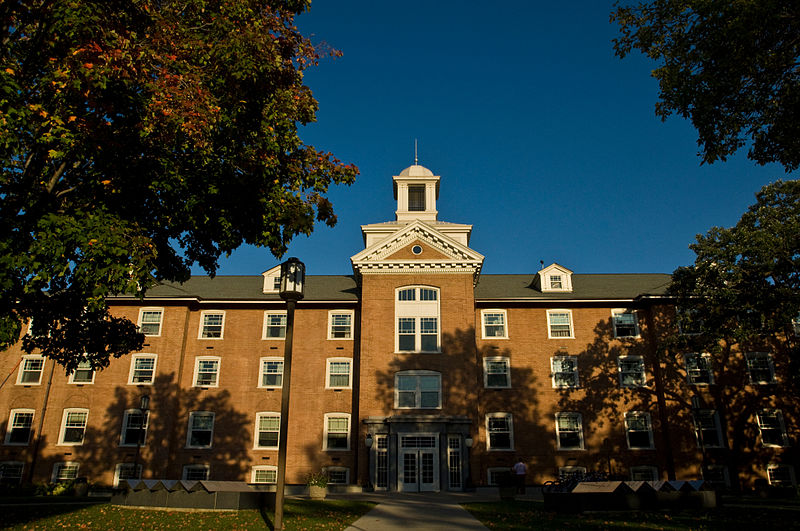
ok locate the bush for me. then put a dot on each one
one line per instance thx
(317, 479)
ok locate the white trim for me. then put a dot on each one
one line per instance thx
(125, 420)
(328, 363)
(62, 432)
(71, 378)
(550, 325)
(196, 466)
(547, 277)
(189, 430)
(504, 324)
(4, 464)
(257, 430)
(351, 314)
(10, 426)
(510, 419)
(328, 469)
(774, 466)
(770, 362)
(118, 469)
(160, 319)
(325, 432)
(778, 414)
(628, 416)
(202, 326)
(417, 310)
(576, 379)
(57, 467)
(266, 468)
(132, 369)
(269, 279)
(261, 373)
(572, 415)
(492, 470)
(626, 311)
(265, 325)
(632, 358)
(496, 359)
(217, 374)
(25, 359)
(714, 415)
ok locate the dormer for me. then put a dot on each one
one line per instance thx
(272, 280)
(555, 279)
(416, 190)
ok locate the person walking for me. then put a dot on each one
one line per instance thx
(520, 470)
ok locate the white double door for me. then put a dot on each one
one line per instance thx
(418, 463)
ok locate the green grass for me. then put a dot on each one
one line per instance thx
(298, 515)
(523, 515)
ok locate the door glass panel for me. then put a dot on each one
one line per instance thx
(427, 467)
(409, 468)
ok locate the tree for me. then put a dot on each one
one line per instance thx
(730, 67)
(138, 138)
(744, 286)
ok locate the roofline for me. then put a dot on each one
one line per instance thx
(232, 301)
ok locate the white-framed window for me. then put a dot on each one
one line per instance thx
(337, 475)
(274, 324)
(417, 390)
(201, 429)
(690, 323)
(271, 376)
(639, 430)
(20, 427)
(559, 324)
(565, 372)
(708, 429)
(126, 471)
(196, 472)
(494, 324)
(699, 368)
(500, 431)
(83, 374)
(339, 373)
(571, 472)
(781, 475)
(268, 430)
(340, 324)
(73, 426)
(496, 372)
(494, 475)
(30, 370)
(760, 368)
(264, 474)
(206, 371)
(417, 319)
(212, 324)
(625, 322)
(717, 476)
(11, 472)
(644, 473)
(631, 371)
(337, 431)
(64, 471)
(150, 321)
(772, 428)
(569, 431)
(134, 427)
(143, 369)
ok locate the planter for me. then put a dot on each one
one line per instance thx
(317, 492)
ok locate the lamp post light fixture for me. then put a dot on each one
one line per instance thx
(144, 408)
(293, 283)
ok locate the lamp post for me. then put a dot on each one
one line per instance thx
(468, 441)
(293, 283)
(144, 407)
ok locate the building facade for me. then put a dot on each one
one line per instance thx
(416, 373)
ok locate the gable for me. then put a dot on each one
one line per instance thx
(418, 250)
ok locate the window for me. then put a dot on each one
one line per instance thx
(760, 368)
(708, 429)
(338, 373)
(417, 317)
(196, 472)
(698, 368)
(337, 431)
(689, 321)
(274, 325)
(644, 473)
(83, 374)
(11, 473)
(143, 369)
(264, 474)
(340, 325)
(555, 282)
(631, 371)
(781, 475)
(206, 371)
(500, 430)
(496, 474)
(268, 428)
(134, 428)
(271, 373)
(717, 476)
(20, 425)
(126, 471)
(773, 430)
(337, 475)
(571, 472)
(625, 323)
(565, 371)
(494, 324)
(569, 431)
(639, 430)
(64, 471)
(73, 426)
(30, 370)
(417, 390)
(212, 324)
(559, 324)
(555, 278)
(150, 321)
(416, 198)
(796, 325)
(496, 373)
(201, 429)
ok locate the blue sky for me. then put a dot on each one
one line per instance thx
(545, 141)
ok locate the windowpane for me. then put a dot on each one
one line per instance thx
(265, 475)
(773, 433)
(271, 373)
(19, 431)
(416, 198)
(65, 471)
(406, 333)
(625, 323)
(565, 371)
(150, 322)
(759, 365)
(497, 373)
(207, 371)
(426, 294)
(339, 374)
(201, 426)
(195, 473)
(499, 428)
(639, 430)
(268, 427)
(569, 431)
(275, 325)
(406, 294)
(337, 433)
(143, 369)
(341, 325)
(74, 427)
(134, 430)
(418, 390)
(560, 324)
(555, 282)
(698, 369)
(212, 325)
(494, 325)
(84, 373)
(631, 369)
(31, 370)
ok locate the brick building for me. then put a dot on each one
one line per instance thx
(415, 373)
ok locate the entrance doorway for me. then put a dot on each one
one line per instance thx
(418, 463)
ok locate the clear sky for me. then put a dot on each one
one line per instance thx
(545, 141)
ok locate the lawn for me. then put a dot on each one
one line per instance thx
(298, 515)
(523, 515)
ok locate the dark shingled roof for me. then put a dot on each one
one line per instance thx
(606, 286)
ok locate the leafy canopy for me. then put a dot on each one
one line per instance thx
(140, 137)
(731, 67)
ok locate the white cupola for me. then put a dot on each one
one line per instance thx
(416, 190)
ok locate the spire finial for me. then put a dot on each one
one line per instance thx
(415, 152)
